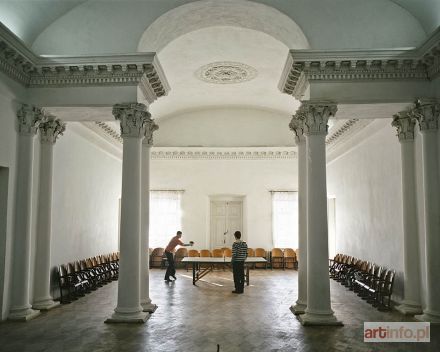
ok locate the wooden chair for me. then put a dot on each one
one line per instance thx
(289, 258)
(217, 253)
(156, 257)
(251, 253)
(180, 254)
(227, 252)
(205, 253)
(277, 258)
(64, 285)
(386, 290)
(192, 253)
(261, 252)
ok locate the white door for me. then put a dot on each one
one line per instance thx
(226, 218)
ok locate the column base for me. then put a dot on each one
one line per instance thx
(409, 308)
(46, 304)
(298, 308)
(132, 318)
(23, 314)
(149, 307)
(429, 316)
(309, 319)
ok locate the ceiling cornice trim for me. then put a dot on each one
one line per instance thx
(20, 63)
(224, 153)
(304, 66)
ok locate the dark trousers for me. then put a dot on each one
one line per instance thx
(171, 270)
(238, 271)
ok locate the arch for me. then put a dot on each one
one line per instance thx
(207, 13)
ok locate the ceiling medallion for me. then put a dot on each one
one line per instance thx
(226, 72)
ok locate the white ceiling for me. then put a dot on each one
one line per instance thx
(186, 54)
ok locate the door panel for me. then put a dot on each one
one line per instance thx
(226, 218)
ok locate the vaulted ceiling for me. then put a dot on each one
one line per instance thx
(218, 52)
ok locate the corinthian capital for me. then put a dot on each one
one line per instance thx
(133, 118)
(150, 127)
(29, 117)
(427, 113)
(405, 124)
(297, 124)
(317, 115)
(50, 129)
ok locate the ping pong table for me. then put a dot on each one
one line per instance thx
(199, 270)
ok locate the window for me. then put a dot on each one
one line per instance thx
(285, 219)
(165, 216)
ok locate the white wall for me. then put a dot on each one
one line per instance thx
(202, 178)
(225, 127)
(87, 188)
(366, 183)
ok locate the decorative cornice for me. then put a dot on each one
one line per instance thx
(340, 131)
(255, 153)
(303, 66)
(142, 69)
(103, 128)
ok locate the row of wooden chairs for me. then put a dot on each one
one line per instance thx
(276, 258)
(370, 281)
(77, 278)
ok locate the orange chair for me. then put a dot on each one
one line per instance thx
(181, 253)
(277, 258)
(261, 252)
(205, 253)
(227, 252)
(192, 253)
(251, 252)
(289, 258)
(217, 253)
(156, 257)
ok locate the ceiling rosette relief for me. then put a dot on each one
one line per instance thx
(304, 66)
(142, 69)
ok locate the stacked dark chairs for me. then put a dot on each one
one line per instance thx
(77, 278)
(369, 281)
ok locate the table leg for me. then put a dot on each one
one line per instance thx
(194, 273)
(247, 275)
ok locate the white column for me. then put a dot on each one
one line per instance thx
(427, 113)
(49, 131)
(318, 310)
(28, 120)
(132, 117)
(405, 125)
(297, 125)
(146, 303)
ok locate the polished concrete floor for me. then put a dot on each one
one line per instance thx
(199, 318)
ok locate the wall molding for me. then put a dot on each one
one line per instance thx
(341, 132)
(224, 153)
(303, 66)
(21, 64)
